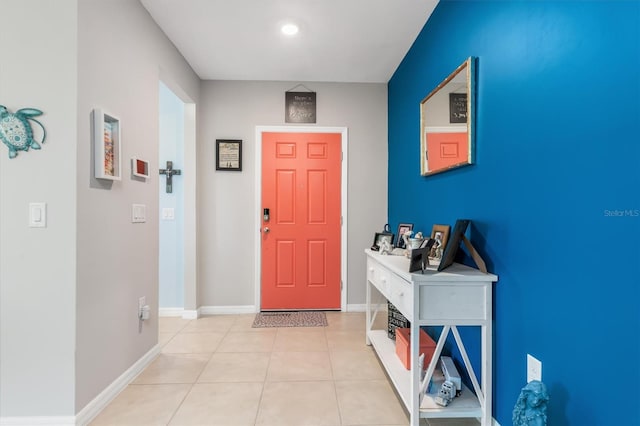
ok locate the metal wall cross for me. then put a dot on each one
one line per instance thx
(169, 172)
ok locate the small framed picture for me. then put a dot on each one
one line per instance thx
(440, 233)
(382, 236)
(402, 229)
(229, 154)
(139, 168)
(420, 257)
(107, 145)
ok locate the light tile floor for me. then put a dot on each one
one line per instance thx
(218, 370)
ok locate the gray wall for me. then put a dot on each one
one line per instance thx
(69, 292)
(37, 265)
(231, 110)
(121, 54)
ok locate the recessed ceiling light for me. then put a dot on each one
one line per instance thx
(289, 29)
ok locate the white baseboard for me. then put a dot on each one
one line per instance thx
(353, 307)
(191, 314)
(93, 408)
(179, 313)
(206, 310)
(170, 312)
(225, 310)
(37, 421)
(230, 310)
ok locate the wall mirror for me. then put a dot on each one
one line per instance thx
(447, 122)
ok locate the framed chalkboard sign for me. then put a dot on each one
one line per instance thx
(457, 107)
(300, 107)
(451, 249)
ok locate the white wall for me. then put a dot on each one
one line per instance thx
(226, 199)
(37, 265)
(122, 54)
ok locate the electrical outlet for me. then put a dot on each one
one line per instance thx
(141, 302)
(534, 369)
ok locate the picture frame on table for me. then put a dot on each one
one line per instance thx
(381, 236)
(420, 256)
(402, 228)
(440, 233)
(451, 249)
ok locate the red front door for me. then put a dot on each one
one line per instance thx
(447, 149)
(301, 240)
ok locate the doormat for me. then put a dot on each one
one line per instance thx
(290, 319)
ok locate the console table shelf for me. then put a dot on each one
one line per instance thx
(457, 296)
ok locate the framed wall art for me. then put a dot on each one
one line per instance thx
(229, 154)
(139, 168)
(107, 145)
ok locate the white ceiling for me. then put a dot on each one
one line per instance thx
(338, 41)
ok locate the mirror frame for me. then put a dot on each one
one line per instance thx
(469, 66)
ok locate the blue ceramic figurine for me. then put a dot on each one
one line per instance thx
(531, 407)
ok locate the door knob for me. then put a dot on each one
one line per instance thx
(266, 229)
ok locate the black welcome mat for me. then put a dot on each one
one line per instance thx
(290, 319)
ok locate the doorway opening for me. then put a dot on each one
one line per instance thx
(177, 286)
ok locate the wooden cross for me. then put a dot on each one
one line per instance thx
(169, 172)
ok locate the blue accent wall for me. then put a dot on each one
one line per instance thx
(554, 195)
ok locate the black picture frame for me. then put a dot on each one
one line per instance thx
(380, 235)
(402, 228)
(229, 155)
(300, 107)
(453, 244)
(420, 256)
(458, 108)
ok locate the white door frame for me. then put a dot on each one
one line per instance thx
(343, 203)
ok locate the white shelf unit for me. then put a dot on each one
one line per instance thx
(458, 296)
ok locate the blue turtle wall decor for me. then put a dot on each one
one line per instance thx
(16, 132)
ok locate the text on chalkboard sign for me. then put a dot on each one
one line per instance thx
(457, 107)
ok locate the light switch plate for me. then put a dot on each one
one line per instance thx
(534, 369)
(138, 213)
(37, 215)
(168, 213)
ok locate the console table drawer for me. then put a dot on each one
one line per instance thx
(454, 301)
(401, 295)
(380, 277)
(395, 289)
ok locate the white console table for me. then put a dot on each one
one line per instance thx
(457, 296)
